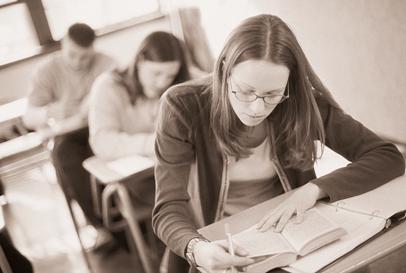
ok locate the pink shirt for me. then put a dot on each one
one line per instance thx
(250, 180)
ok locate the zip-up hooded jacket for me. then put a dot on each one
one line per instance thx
(191, 171)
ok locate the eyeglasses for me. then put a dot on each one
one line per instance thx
(251, 97)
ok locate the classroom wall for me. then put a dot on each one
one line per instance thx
(358, 49)
(122, 45)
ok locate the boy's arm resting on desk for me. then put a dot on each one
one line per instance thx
(35, 117)
(41, 118)
(41, 99)
(374, 161)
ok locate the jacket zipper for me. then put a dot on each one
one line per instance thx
(225, 184)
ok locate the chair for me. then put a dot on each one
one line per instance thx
(112, 174)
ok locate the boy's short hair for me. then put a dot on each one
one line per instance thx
(81, 34)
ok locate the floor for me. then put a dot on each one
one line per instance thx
(39, 222)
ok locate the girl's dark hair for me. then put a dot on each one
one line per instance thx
(158, 46)
(296, 121)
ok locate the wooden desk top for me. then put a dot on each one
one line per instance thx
(109, 171)
(19, 144)
(12, 110)
(389, 241)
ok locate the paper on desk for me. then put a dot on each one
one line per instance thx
(129, 165)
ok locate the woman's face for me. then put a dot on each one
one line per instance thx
(256, 77)
(156, 77)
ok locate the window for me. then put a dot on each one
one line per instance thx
(29, 26)
(3, 2)
(17, 34)
(97, 13)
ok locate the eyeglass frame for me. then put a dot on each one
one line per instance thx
(283, 96)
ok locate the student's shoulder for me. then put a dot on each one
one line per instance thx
(50, 64)
(106, 86)
(326, 104)
(189, 92)
(103, 59)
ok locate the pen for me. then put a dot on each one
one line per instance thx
(230, 244)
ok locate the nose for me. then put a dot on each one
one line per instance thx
(258, 106)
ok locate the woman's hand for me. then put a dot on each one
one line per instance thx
(301, 200)
(213, 256)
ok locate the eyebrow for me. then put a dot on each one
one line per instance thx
(253, 89)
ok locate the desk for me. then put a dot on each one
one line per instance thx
(22, 153)
(112, 174)
(386, 243)
(11, 113)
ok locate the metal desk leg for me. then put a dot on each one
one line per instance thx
(128, 213)
(76, 226)
(95, 195)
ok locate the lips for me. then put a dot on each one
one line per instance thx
(255, 117)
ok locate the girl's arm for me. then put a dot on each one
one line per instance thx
(373, 160)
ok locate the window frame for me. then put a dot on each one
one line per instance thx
(43, 33)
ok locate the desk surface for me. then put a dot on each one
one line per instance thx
(108, 171)
(19, 145)
(389, 241)
(12, 110)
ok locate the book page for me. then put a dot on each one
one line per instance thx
(259, 243)
(358, 227)
(383, 201)
(129, 165)
(271, 262)
(314, 232)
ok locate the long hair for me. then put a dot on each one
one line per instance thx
(159, 46)
(296, 121)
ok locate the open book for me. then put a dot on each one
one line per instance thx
(271, 249)
(308, 250)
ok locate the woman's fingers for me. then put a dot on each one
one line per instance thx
(299, 216)
(284, 219)
(279, 219)
(268, 221)
(238, 250)
(227, 260)
(223, 259)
